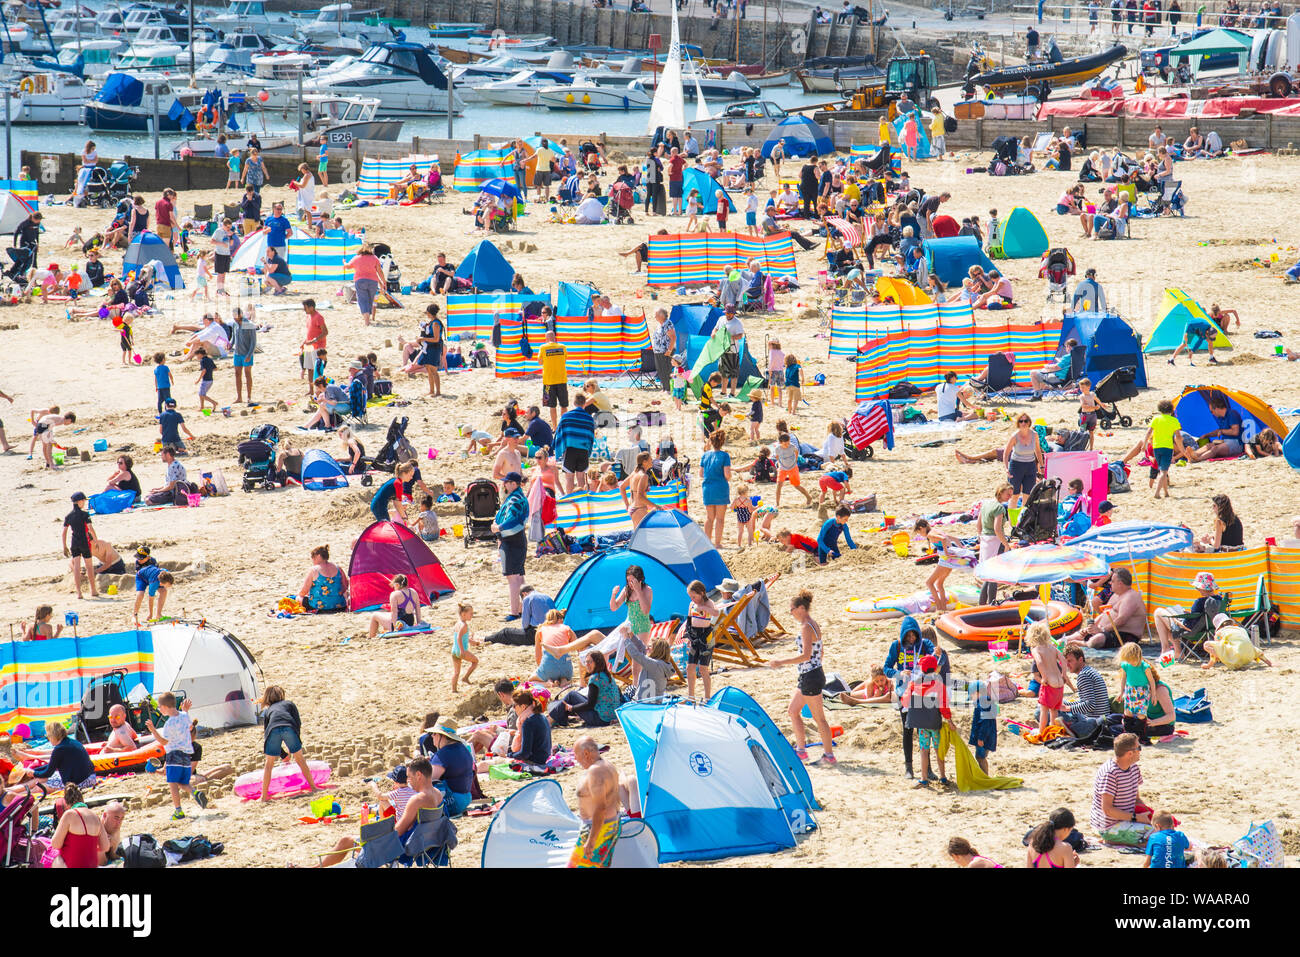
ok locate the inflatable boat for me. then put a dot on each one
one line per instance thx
(112, 762)
(896, 606)
(1064, 72)
(977, 626)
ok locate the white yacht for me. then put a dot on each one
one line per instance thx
(48, 98)
(343, 19)
(521, 89)
(341, 119)
(83, 23)
(253, 17)
(96, 56)
(585, 95)
(234, 55)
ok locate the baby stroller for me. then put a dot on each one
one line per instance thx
(397, 447)
(257, 457)
(1056, 267)
(619, 206)
(108, 186)
(1037, 521)
(1003, 161)
(100, 697)
(590, 156)
(1118, 384)
(481, 503)
(392, 271)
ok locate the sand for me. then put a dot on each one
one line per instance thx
(362, 702)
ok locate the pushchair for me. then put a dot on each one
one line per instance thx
(108, 186)
(397, 447)
(1165, 199)
(1118, 384)
(619, 207)
(589, 156)
(1003, 161)
(257, 458)
(1037, 522)
(392, 271)
(100, 697)
(481, 503)
(1056, 267)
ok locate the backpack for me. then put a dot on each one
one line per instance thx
(141, 850)
(1117, 478)
(950, 124)
(903, 390)
(997, 168)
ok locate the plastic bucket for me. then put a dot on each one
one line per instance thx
(902, 544)
(458, 531)
(59, 457)
(101, 445)
(195, 499)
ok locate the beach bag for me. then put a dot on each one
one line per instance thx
(1127, 834)
(1193, 708)
(111, 502)
(1117, 478)
(1260, 846)
(141, 850)
(1002, 686)
(860, 506)
(997, 168)
(903, 390)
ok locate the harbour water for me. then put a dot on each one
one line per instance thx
(484, 119)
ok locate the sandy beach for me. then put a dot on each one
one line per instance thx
(363, 701)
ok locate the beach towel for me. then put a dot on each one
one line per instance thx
(969, 775)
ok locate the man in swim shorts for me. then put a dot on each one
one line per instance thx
(598, 806)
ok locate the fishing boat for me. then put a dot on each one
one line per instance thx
(832, 77)
(453, 31)
(48, 98)
(125, 103)
(585, 95)
(1056, 72)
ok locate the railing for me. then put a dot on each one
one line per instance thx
(1072, 19)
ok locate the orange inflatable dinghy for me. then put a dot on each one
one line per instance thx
(975, 627)
(112, 762)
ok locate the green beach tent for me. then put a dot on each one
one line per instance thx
(1023, 235)
(1177, 309)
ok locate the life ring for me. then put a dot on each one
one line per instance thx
(27, 85)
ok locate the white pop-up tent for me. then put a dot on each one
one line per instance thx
(212, 667)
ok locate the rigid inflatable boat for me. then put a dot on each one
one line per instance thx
(1063, 72)
(977, 626)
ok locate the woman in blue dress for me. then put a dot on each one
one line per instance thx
(715, 486)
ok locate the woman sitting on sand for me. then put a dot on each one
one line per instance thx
(326, 587)
(595, 708)
(878, 689)
(1227, 535)
(1264, 445)
(1047, 847)
(124, 479)
(353, 459)
(404, 609)
(551, 648)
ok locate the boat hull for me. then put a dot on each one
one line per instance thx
(124, 121)
(1070, 72)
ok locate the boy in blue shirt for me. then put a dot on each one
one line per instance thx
(176, 736)
(162, 379)
(837, 483)
(170, 426)
(828, 539)
(449, 493)
(1166, 847)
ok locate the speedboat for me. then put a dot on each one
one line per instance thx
(341, 119)
(234, 55)
(344, 20)
(71, 25)
(151, 56)
(125, 103)
(522, 89)
(48, 98)
(1056, 72)
(251, 15)
(559, 64)
(91, 57)
(585, 95)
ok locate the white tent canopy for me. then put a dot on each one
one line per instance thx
(212, 667)
(12, 212)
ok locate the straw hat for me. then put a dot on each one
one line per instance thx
(447, 731)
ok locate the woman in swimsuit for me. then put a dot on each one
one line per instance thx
(326, 587)
(404, 609)
(697, 629)
(354, 453)
(634, 489)
(963, 854)
(639, 598)
(1047, 847)
(812, 679)
(80, 836)
(951, 555)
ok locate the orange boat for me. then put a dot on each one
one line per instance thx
(978, 625)
(113, 762)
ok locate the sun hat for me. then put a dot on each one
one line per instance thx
(729, 584)
(447, 731)
(1203, 580)
(1221, 619)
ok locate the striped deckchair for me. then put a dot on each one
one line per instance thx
(475, 168)
(475, 315)
(378, 173)
(322, 260)
(697, 258)
(850, 235)
(44, 680)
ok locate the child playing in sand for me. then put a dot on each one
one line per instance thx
(1050, 664)
(1167, 847)
(449, 493)
(202, 274)
(837, 483)
(926, 705)
(155, 581)
(743, 507)
(479, 441)
(1134, 689)
(697, 629)
(460, 642)
(176, 737)
(1088, 406)
(680, 378)
(878, 689)
(76, 242)
(789, 541)
(793, 383)
(207, 366)
(41, 628)
(984, 721)
(764, 516)
(44, 421)
(787, 468)
(428, 520)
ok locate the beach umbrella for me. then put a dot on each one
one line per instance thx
(1041, 565)
(500, 188)
(1133, 540)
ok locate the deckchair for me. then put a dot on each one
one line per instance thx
(761, 610)
(660, 629)
(729, 642)
(431, 840)
(1200, 628)
(1257, 615)
(379, 846)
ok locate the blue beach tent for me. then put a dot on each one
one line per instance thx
(951, 259)
(486, 269)
(695, 178)
(584, 596)
(1193, 410)
(1110, 342)
(708, 783)
(802, 137)
(145, 248)
(321, 472)
(694, 319)
(679, 542)
(799, 800)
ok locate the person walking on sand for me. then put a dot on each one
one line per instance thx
(812, 678)
(598, 807)
(281, 735)
(83, 533)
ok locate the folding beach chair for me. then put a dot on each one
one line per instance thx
(660, 629)
(379, 847)
(431, 840)
(644, 375)
(729, 642)
(1257, 616)
(757, 621)
(1199, 628)
(1000, 375)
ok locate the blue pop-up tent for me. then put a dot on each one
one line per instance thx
(695, 178)
(584, 596)
(1110, 342)
(951, 259)
(801, 136)
(486, 269)
(148, 247)
(321, 471)
(679, 542)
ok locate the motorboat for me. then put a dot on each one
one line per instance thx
(1055, 72)
(733, 86)
(145, 15)
(521, 89)
(505, 44)
(84, 24)
(151, 56)
(251, 16)
(582, 94)
(48, 98)
(832, 74)
(341, 119)
(559, 64)
(93, 58)
(453, 31)
(234, 55)
(126, 103)
(346, 20)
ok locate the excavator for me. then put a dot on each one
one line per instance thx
(912, 78)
